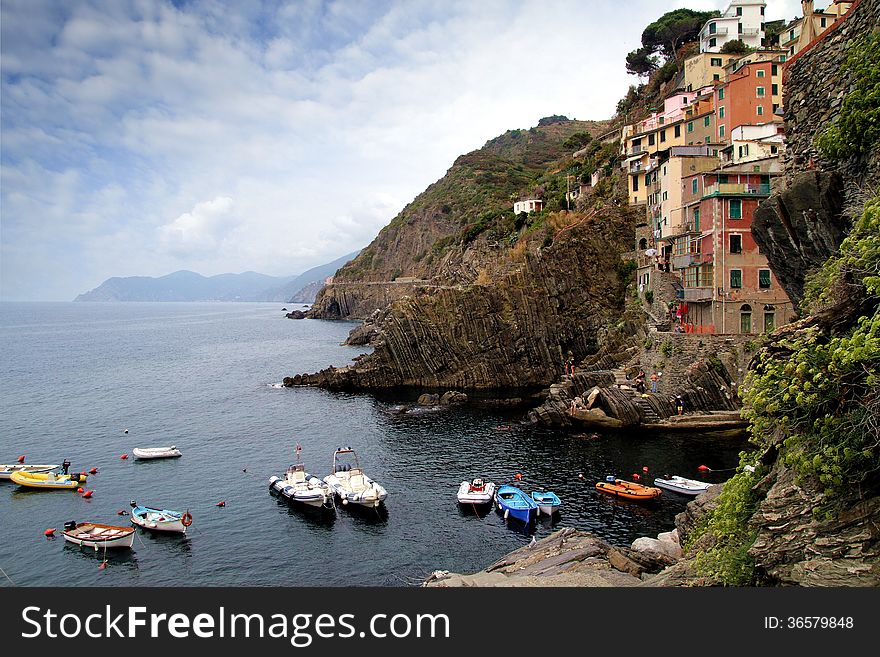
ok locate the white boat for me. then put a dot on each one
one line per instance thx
(160, 520)
(6, 470)
(94, 535)
(682, 485)
(350, 483)
(476, 492)
(156, 452)
(299, 486)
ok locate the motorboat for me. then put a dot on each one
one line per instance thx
(548, 502)
(160, 520)
(682, 485)
(7, 469)
(349, 482)
(48, 480)
(627, 489)
(156, 452)
(514, 503)
(98, 536)
(299, 486)
(476, 492)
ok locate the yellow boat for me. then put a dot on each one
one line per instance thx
(48, 480)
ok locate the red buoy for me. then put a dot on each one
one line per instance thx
(704, 468)
(645, 469)
(124, 456)
(103, 565)
(87, 494)
(21, 459)
(636, 476)
(49, 532)
(121, 512)
(80, 489)
(93, 470)
(221, 503)
(518, 476)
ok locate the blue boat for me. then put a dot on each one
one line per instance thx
(514, 503)
(548, 502)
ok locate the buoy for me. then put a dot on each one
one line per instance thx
(122, 512)
(80, 489)
(703, 468)
(49, 532)
(125, 431)
(21, 459)
(124, 456)
(580, 475)
(636, 476)
(88, 494)
(221, 503)
(518, 476)
(645, 469)
(93, 470)
(103, 565)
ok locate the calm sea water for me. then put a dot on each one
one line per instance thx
(206, 378)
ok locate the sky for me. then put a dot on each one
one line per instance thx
(141, 137)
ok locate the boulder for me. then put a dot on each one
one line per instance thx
(429, 399)
(453, 397)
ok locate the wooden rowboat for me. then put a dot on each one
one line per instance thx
(98, 536)
(627, 489)
(160, 520)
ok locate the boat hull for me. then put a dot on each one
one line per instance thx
(628, 491)
(683, 486)
(100, 537)
(47, 481)
(371, 495)
(514, 503)
(149, 453)
(7, 470)
(158, 520)
(548, 503)
(312, 492)
(466, 494)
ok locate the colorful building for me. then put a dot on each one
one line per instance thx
(528, 205)
(742, 20)
(745, 98)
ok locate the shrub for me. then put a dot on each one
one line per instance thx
(649, 296)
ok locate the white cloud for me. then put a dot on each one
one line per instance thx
(201, 229)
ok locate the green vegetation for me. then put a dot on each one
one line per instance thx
(735, 47)
(664, 37)
(857, 128)
(667, 349)
(649, 297)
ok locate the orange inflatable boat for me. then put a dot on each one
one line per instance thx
(627, 489)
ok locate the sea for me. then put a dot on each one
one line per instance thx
(88, 382)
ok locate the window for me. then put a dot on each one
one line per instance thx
(678, 131)
(635, 183)
(694, 186)
(760, 110)
(783, 58)
(739, 11)
(774, 70)
(715, 61)
(690, 126)
(662, 136)
(822, 21)
(665, 199)
(736, 244)
(745, 321)
(721, 93)
(707, 121)
(722, 179)
(716, 76)
(769, 322)
(712, 28)
(760, 92)
(650, 140)
(764, 279)
(736, 279)
(735, 208)
(762, 10)
(759, 73)
(712, 42)
(774, 150)
(774, 89)
(721, 131)
(697, 219)
(791, 35)
(720, 112)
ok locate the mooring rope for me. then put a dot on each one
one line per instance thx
(7, 577)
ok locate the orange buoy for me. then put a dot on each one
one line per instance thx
(186, 520)
(645, 469)
(93, 470)
(124, 456)
(88, 494)
(49, 532)
(21, 459)
(221, 503)
(703, 468)
(518, 476)
(636, 476)
(103, 565)
(80, 489)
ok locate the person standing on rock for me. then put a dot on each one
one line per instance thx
(654, 379)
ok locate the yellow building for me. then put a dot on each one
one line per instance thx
(704, 69)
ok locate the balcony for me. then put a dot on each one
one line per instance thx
(718, 31)
(697, 294)
(749, 31)
(635, 167)
(636, 150)
(689, 259)
(736, 189)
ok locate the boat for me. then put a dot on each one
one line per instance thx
(299, 486)
(349, 482)
(160, 520)
(548, 502)
(98, 536)
(476, 492)
(48, 480)
(627, 489)
(682, 485)
(514, 503)
(7, 470)
(156, 452)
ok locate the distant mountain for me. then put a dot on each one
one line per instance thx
(190, 286)
(304, 287)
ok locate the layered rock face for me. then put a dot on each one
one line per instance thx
(537, 304)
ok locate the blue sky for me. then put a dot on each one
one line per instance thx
(140, 137)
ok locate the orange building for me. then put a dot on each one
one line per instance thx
(744, 98)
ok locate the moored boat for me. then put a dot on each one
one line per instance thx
(349, 482)
(160, 520)
(682, 485)
(514, 503)
(6, 470)
(299, 486)
(98, 536)
(548, 502)
(476, 492)
(48, 480)
(156, 452)
(627, 489)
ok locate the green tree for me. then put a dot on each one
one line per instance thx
(735, 47)
(641, 62)
(673, 29)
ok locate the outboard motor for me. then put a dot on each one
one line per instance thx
(70, 525)
(132, 504)
(610, 479)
